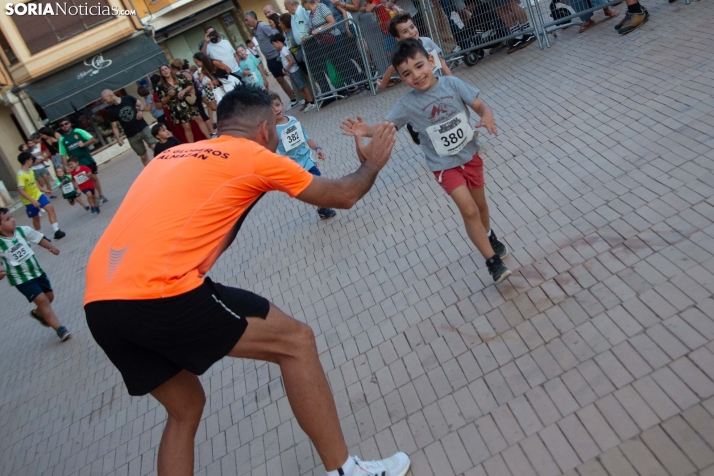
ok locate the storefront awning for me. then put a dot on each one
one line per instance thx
(73, 88)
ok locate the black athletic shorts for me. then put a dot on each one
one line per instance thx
(152, 340)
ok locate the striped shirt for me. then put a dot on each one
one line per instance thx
(17, 255)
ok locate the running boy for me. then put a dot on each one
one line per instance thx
(69, 192)
(82, 176)
(251, 69)
(438, 107)
(294, 142)
(32, 197)
(165, 138)
(25, 273)
(402, 27)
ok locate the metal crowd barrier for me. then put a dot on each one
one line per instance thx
(559, 14)
(337, 62)
(379, 43)
(476, 25)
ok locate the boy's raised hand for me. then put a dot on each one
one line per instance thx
(350, 127)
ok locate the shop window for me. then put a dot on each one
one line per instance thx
(41, 32)
(7, 49)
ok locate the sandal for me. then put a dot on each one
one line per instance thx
(609, 12)
(586, 25)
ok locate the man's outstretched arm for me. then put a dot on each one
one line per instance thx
(346, 191)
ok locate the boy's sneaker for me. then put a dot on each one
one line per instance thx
(59, 234)
(53, 196)
(414, 134)
(63, 333)
(87, 208)
(326, 213)
(498, 246)
(39, 318)
(396, 465)
(497, 269)
(103, 199)
(93, 209)
(97, 210)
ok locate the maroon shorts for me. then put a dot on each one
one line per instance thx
(469, 174)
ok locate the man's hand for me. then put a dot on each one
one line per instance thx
(139, 115)
(350, 127)
(81, 144)
(379, 149)
(320, 154)
(120, 142)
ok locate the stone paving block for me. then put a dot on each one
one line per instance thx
(667, 452)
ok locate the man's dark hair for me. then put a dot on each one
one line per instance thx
(208, 28)
(408, 49)
(73, 159)
(396, 21)
(35, 136)
(155, 80)
(243, 104)
(156, 128)
(22, 147)
(65, 119)
(24, 157)
(277, 37)
(251, 14)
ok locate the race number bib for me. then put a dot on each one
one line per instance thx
(251, 79)
(451, 136)
(81, 178)
(292, 137)
(19, 253)
(67, 188)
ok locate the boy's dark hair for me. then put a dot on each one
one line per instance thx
(24, 157)
(396, 21)
(243, 104)
(277, 37)
(156, 128)
(408, 49)
(274, 96)
(48, 131)
(73, 159)
(22, 147)
(142, 91)
(4, 210)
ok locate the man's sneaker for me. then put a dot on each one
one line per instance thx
(39, 318)
(632, 22)
(497, 269)
(59, 234)
(498, 246)
(396, 465)
(414, 134)
(309, 106)
(63, 333)
(624, 19)
(326, 213)
(103, 199)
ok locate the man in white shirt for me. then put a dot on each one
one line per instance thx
(301, 20)
(220, 49)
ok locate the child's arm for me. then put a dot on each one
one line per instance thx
(486, 115)
(350, 127)
(23, 193)
(49, 246)
(291, 61)
(445, 67)
(313, 145)
(388, 77)
(263, 73)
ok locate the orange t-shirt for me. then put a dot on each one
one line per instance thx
(181, 213)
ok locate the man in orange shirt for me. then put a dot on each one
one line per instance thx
(162, 322)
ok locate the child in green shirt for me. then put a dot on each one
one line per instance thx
(69, 192)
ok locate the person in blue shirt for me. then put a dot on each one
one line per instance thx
(294, 142)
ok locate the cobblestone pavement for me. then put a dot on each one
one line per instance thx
(595, 357)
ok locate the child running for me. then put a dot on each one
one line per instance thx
(165, 138)
(33, 197)
(69, 192)
(294, 142)
(24, 272)
(292, 70)
(438, 107)
(82, 177)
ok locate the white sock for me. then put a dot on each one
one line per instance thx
(516, 28)
(346, 470)
(490, 232)
(526, 26)
(55, 226)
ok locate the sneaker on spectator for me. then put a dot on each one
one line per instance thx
(632, 22)
(59, 234)
(103, 199)
(63, 333)
(624, 19)
(309, 106)
(522, 42)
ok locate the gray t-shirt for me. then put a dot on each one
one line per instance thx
(441, 116)
(262, 35)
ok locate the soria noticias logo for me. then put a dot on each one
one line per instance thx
(63, 8)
